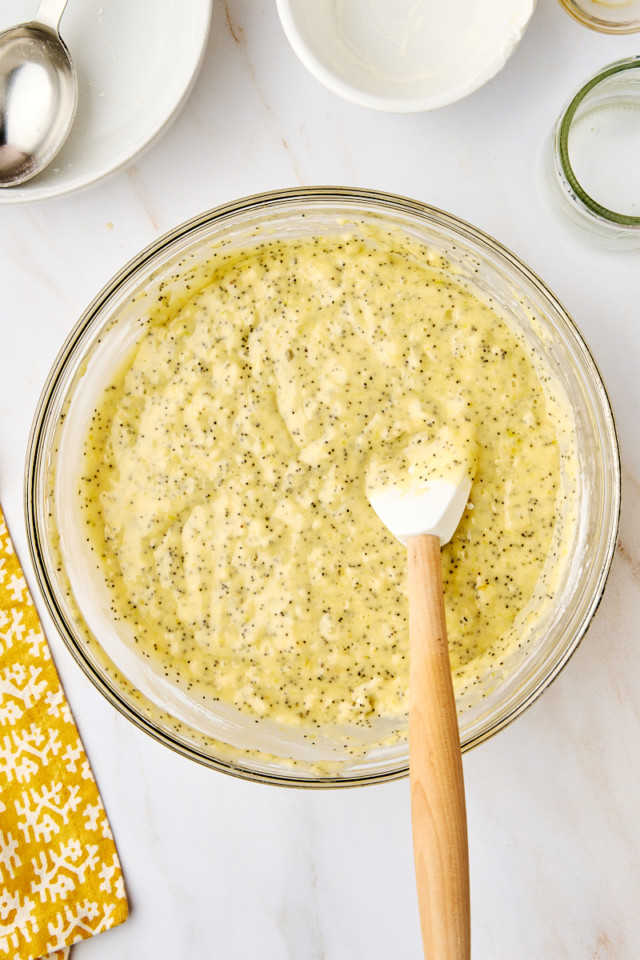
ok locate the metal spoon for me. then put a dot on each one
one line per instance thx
(38, 94)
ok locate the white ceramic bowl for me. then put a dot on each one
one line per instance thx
(406, 56)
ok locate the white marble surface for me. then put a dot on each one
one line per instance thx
(217, 867)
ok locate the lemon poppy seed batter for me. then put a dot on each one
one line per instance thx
(223, 486)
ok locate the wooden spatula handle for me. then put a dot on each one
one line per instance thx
(437, 789)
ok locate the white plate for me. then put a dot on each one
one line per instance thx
(137, 61)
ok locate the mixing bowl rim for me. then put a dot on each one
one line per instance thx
(33, 480)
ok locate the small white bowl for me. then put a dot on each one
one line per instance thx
(404, 56)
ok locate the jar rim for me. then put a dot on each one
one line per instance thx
(592, 206)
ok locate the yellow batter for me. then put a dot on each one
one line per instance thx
(224, 477)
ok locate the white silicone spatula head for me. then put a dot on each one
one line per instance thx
(436, 508)
(428, 492)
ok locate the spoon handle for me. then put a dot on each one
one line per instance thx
(49, 13)
(435, 762)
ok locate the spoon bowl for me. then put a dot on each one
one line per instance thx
(38, 94)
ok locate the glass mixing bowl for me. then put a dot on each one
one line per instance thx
(171, 269)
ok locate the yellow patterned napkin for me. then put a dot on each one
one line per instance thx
(60, 878)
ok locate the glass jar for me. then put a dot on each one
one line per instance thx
(591, 169)
(606, 16)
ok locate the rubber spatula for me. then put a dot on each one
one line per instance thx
(425, 516)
